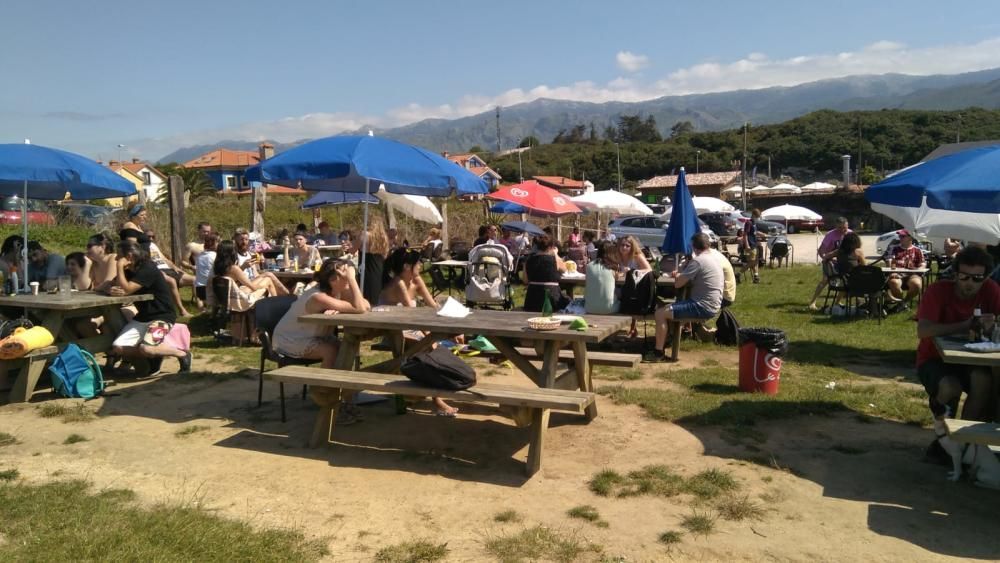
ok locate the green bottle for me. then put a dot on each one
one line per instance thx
(547, 306)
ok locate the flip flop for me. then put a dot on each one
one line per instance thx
(448, 414)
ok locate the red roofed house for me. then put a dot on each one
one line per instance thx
(567, 186)
(477, 166)
(225, 167)
(708, 184)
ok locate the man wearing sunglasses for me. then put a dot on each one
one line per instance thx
(946, 309)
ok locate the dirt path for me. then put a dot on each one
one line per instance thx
(394, 478)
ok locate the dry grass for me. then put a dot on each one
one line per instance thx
(74, 439)
(189, 430)
(68, 413)
(507, 516)
(540, 544)
(7, 439)
(417, 551)
(699, 523)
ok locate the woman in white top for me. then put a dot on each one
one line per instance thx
(599, 295)
(336, 292)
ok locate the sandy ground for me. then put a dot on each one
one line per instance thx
(393, 478)
(805, 245)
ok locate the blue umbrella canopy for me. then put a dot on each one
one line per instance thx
(523, 227)
(964, 181)
(508, 208)
(353, 163)
(683, 220)
(321, 199)
(52, 173)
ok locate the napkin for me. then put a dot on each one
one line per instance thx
(454, 309)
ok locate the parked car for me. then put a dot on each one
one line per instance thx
(771, 228)
(724, 224)
(797, 225)
(97, 216)
(38, 212)
(649, 230)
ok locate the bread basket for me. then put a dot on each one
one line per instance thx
(543, 323)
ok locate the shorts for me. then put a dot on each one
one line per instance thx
(751, 254)
(149, 333)
(304, 347)
(931, 372)
(688, 309)
(174, 274)
(201, 292)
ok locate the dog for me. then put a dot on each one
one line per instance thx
(984, 467)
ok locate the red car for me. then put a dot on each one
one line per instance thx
(38, 212)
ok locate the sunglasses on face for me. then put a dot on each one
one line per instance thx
(962, 276)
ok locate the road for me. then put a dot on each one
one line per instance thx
(806, 243)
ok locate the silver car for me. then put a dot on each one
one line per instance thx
(650, 230)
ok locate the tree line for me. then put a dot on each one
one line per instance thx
(807, 147)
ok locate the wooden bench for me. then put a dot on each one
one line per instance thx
(29, 370)
(609, 359)
(973, 432)
(326, 387)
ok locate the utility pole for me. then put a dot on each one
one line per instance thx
(860, 161)
(958, 130)
(743, 176)
(697, 161)
(768, 167)
(520, 170)
(498, 129)
(619, 154)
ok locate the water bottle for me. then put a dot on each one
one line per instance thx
(13, 283)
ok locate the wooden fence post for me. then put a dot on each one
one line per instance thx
(178, 230)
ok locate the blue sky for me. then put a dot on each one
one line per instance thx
(155, 76)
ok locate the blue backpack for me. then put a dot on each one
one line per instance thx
(75, 373)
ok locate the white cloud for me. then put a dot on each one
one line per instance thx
(630, 62)
(756, 70)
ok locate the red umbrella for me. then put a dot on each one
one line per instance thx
(537, 197)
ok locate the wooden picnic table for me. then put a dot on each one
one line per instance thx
(953, 351)
(290, 278)
(53, 310)
(330, 250)
(505, 329)
(451, 263)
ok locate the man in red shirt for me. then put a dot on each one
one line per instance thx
(906, 255)
(946, 309)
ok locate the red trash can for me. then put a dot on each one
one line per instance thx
(761, 350)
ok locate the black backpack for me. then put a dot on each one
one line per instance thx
(439, 368)
(638, 293)
(727, 331)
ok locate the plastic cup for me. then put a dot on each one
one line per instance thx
(34, 288)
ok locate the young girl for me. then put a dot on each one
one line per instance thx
(226, 265)
(336, 292)
(78, 268)
(204, 266)
(103, 262)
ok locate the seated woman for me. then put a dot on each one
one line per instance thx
(146, 335)
(630, 257)
(845, 258)
(599, 296)
(226, 265)
(433, 244)
(103, 262)
(335, 292)
(542, 273)
(405, 287)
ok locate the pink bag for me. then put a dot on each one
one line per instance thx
(179, 337)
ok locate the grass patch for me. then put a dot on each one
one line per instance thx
(539, 543)
(660, 480)
(699, 523)
(74, 439)
(588, 513)
(604, 483)
(56, 522)
(8, 475)
(710, 484)
(670, 537)
(7, 439)
(417, 551)
(617, 374)
(68, 413)
(507, 516)
(189, 430)
(738, 508)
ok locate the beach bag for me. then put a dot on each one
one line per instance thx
(638, 293)
(727, 328)
(439, 369)
(75, 373)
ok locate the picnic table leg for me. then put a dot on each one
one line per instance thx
(329, 399)
(539, 423)
(550, 359)
(583, 375)
(27, 377)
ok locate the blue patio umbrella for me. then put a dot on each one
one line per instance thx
(964, 181)
(683, 220)
(321, 199)
(37, 172)
(508, 208)
(523, 227)
(353, 163)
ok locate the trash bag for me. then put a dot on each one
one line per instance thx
(770, 339)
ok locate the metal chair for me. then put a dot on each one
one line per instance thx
(837, 284)
(268, 313)
(866, 283)
(223, 315)
(439, 283)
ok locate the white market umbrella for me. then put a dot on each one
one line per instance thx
(817, 187)
(780, 188)
(711, 205)
(611, 201)
(790, 213)
(928, 222)
(417, 206)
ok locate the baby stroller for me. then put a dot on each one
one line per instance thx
(488, 277)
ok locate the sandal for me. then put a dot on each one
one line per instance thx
(449, 414)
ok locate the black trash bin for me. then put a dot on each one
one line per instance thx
(761, 350)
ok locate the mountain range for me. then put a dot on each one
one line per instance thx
(545, 118)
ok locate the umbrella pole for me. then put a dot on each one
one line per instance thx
(24, 243)
(364, 241)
